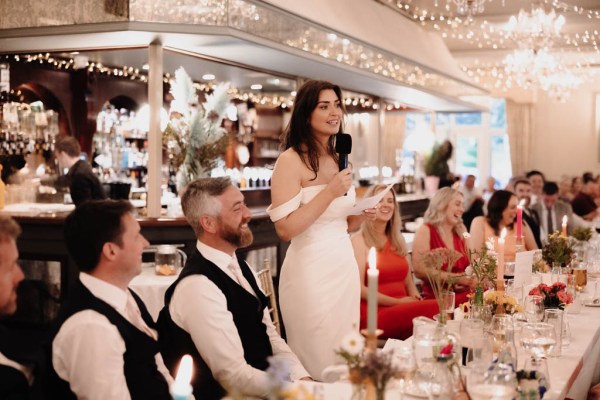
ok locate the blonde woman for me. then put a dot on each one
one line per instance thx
(444, 228)
(398, 298)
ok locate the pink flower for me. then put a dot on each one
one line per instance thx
(535, 291)
(563, 297)
(446, 350)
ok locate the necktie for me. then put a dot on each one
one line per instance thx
(235, 269)
(550, 225)
(135, 317)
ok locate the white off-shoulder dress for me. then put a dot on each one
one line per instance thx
(319, 287)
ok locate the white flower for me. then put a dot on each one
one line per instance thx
(353, 343)
(490, 243)
(466, 235)
(469, 271)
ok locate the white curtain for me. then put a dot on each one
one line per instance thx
(519, 129)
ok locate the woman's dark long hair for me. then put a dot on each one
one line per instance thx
(298, 133)
(496, 206)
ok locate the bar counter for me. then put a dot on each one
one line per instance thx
(42, 237)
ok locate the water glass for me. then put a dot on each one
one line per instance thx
(538, 338)
(405, 363)
(470, 331)
(481, 312)
(554, 317)
(514, 291)
(500, 324)
(534, 308)
(447, 303)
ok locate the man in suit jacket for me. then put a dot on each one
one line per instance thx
(215, 311)
(522, 189)
(551, 211)
(103, 344)
(14, 377)
(83, 183)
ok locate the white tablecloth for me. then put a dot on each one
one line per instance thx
(151, 288)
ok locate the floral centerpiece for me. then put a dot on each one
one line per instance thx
(434, 262)
(482, 267)
(557, 249)
(194, 138)
(582, 234)
(510, 304)
(364, 365)
(554, 296)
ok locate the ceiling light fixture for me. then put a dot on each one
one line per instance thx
(208, 77)
(256, 86)
(469, 7)
(535, 29)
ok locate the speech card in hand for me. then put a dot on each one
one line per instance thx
(368, 202)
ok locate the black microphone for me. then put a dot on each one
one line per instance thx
(343, 146)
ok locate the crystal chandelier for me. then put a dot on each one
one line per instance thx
(536, 29)
(469, 7)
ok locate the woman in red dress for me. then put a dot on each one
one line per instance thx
(443, 228)
(398, 298)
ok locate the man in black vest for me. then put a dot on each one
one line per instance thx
(104, 344)
(215, 310)
(13, 375)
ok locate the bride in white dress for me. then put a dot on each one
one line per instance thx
(319, 287)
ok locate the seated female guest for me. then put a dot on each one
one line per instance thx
(501, 213)
(398, 298)
(443, 228)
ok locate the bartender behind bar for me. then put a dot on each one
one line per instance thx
(83, 183)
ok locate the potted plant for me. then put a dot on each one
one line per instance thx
(436, 166)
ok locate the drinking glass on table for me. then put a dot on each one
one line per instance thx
(406, 365)
(579, 272)
(534, 308)
(539, 340)
(500, 324)
(447, 303)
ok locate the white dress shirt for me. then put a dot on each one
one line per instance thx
(88, 350)
(544, 221)
(19, 367)
(199, 307)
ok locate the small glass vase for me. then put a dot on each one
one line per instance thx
(478, 299)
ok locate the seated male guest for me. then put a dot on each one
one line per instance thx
(104, 344)
(13, 375)
(215, 311)
(522, 188)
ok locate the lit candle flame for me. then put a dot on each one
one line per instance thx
(521, 203)
(372, 259)
(184, 376)
(565, 220)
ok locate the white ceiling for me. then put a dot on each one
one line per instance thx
(497, 14)
(124, 44)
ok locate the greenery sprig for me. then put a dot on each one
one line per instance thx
(583, 234)
(435, 261)
(557, 249)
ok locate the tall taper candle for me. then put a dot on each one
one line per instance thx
(373, 281)
(500, 269)
(520, 219)
(565, 219)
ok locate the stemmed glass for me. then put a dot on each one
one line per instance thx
(500, 323)
(406, 366)
(538, 339)
(534, 308)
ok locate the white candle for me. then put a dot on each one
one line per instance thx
(500, 269)
(565, 219)
(181, 389)
(373, 279)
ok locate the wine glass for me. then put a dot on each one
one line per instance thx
(406, 366)
(579, 271)
(534, 308)
(538, 338)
